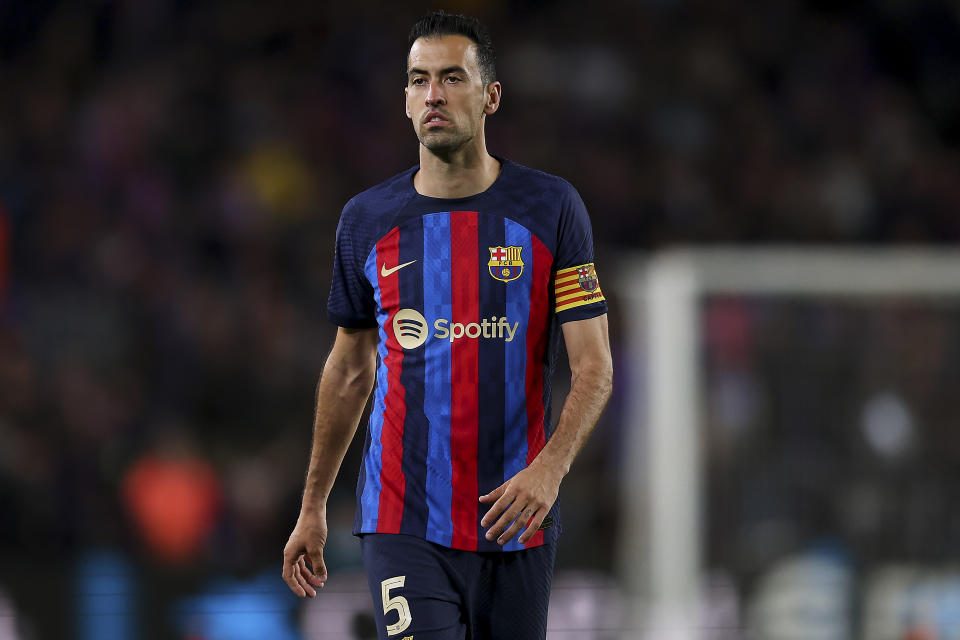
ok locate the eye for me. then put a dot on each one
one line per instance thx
(417, 81)
(453, 79)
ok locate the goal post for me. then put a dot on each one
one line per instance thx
(660, 539)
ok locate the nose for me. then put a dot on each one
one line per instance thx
(435, 94)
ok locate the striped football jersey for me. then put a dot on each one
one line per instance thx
(468, 296)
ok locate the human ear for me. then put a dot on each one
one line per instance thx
(494, 92)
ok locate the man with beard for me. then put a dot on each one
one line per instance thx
(453, 282)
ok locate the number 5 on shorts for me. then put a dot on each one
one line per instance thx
(397, 602)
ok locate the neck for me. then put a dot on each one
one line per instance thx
(465, 172)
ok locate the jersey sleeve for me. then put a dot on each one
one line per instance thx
(576, 288)
(351, 302)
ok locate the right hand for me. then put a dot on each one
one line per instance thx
(303, 567)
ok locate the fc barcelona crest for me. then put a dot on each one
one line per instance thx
(505, 263)
(587, 278)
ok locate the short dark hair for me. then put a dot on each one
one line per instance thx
(441, 23)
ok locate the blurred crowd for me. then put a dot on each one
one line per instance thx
(831, 466)
(172, 171)
(832, 422)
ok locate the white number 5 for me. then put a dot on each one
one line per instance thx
(398, 602)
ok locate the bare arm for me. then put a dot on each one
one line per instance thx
(533, 491)
(342, 393)
(591, 369)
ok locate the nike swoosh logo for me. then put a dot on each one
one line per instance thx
(386, 272)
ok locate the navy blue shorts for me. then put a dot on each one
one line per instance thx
(430, 592)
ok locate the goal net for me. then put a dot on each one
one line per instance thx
(793, 461)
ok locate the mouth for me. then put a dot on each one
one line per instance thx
(435, 119)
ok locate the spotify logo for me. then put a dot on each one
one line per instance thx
(410, 328)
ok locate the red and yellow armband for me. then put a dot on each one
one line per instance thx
(576, 286)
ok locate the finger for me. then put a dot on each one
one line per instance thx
(519, 523)
(494, 495)
(508, 517)
(533, 526)
(289, 576)
(302, 581)
(501, 505)
(305, 571)
(311, 576)
(319, 568)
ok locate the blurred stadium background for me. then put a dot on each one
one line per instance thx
(171, 173)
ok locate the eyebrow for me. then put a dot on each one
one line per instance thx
(443, 72)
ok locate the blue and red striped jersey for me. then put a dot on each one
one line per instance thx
(468, 296)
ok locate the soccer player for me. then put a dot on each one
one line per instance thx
(452, 284)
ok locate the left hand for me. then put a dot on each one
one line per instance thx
(524, 500)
